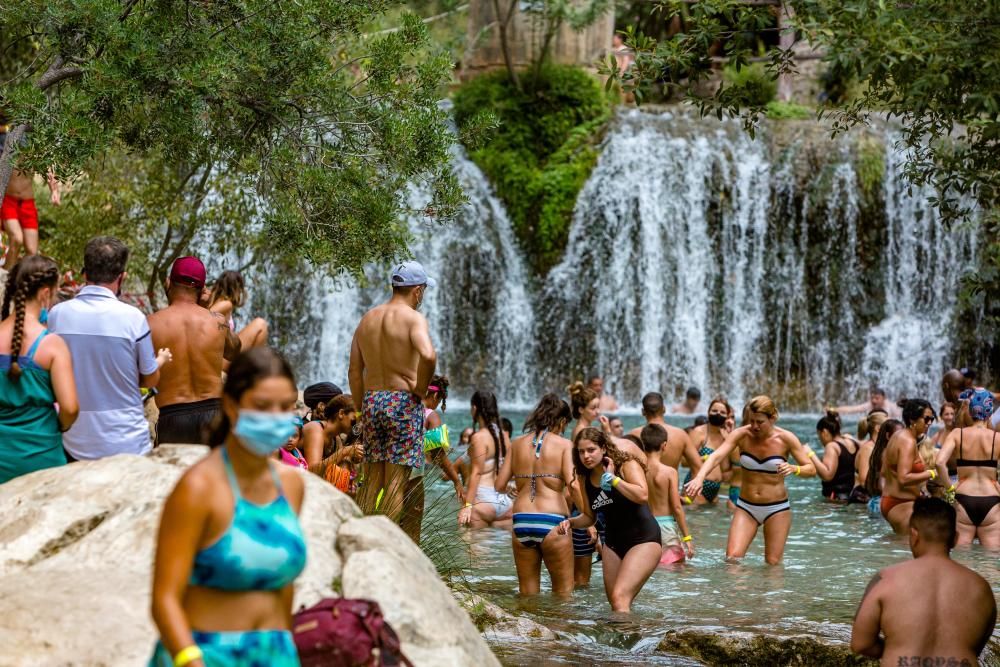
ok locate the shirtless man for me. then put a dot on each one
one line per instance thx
(877, 400)
(20, 217)
(692, 399)
(678, 444)
(946, 619)
(608, 402)
(191, 385)
(392, 361)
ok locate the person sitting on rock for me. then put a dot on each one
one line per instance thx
(230, 545)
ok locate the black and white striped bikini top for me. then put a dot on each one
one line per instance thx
(769, 465)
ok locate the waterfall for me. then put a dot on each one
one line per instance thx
(697, 256)
(480, 314)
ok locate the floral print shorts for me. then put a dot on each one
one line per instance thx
(393, 428)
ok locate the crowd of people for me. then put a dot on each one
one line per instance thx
(76, 375)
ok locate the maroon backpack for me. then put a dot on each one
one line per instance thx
(337, 632)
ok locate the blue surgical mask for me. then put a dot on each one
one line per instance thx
(264, 432)
(43, 316)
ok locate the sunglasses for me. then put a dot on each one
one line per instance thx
(929, 420)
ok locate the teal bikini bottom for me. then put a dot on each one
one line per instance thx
(253, 648)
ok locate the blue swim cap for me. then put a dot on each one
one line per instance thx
(981, 404)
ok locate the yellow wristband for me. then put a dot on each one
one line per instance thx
(686, 538)
(798, 469)
(933, 474)
(615, 482)
(687, 501)
(187, 656)
(468, 505)
(951, 489)
(810, 454)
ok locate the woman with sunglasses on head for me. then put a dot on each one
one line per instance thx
(976, 494)
(763, 500)
(904, 471)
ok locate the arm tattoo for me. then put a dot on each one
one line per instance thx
(871, 584)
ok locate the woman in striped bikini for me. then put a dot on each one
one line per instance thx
(763, 499)
(541, 463)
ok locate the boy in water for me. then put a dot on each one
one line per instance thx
(664, 498)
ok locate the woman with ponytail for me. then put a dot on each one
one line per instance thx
(484, 505)
(36, 372)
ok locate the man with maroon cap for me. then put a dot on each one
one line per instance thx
(191, 385)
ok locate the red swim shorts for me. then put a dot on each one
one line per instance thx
(22, 210)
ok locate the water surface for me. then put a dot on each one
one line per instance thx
(832, 552)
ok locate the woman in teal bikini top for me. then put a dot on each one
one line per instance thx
(230, 543)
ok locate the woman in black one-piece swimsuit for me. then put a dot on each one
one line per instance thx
(632, 535)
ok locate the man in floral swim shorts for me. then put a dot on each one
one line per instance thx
(392, 360)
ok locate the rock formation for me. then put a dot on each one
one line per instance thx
(76, 553)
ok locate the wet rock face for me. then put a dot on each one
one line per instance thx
(76, 553)
(744, 649)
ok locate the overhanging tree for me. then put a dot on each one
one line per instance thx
(327, 127)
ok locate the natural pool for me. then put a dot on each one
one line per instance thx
(832, 552)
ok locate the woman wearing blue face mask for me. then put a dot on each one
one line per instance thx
(230, 544)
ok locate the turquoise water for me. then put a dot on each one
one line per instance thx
(832, 552)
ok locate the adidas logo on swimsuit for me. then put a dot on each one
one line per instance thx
(600, 501)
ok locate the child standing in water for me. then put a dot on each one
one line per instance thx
(665, 499)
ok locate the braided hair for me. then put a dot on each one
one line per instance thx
(27, 277)
(441, 382)
(485, 405)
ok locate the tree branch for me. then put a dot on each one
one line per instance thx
(56, 74)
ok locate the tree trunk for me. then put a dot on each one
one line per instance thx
(6, 161)
(786, 41)
(503, 22)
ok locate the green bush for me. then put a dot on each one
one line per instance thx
(543, 151)
(760, 88)
(777, 110)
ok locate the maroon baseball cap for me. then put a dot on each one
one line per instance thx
(188, 271)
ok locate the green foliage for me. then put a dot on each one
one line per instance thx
(324, 126)
(543, 151)
(870, 165)
(778, 110)
(759, 87)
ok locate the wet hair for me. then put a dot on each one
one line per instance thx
(877, 391)
(485, 405)
(652, 404)
(830, 423)
(25, 280)
(507, 426)
(104, 259)
(229, 286)
(580, 397)
(602, 440)
(441, 382)
(321, 392)
(700, 420)
(652, 437)
(868, 424)
(341, 403)
(722, 401)
(693, 393)
(550, 411)
(247, 369)
(634, 439)
(913, 409)
(934, 520)
(889, 428)
(762, 405)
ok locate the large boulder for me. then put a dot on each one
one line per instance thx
(76, 552)
(746, 649)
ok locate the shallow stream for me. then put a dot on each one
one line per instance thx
(832, 553)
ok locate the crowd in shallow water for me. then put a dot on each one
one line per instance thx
(83, 374)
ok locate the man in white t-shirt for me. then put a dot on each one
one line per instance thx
(112, 358)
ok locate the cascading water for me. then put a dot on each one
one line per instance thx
(697, 255)
(480, 313)
(700, 256)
